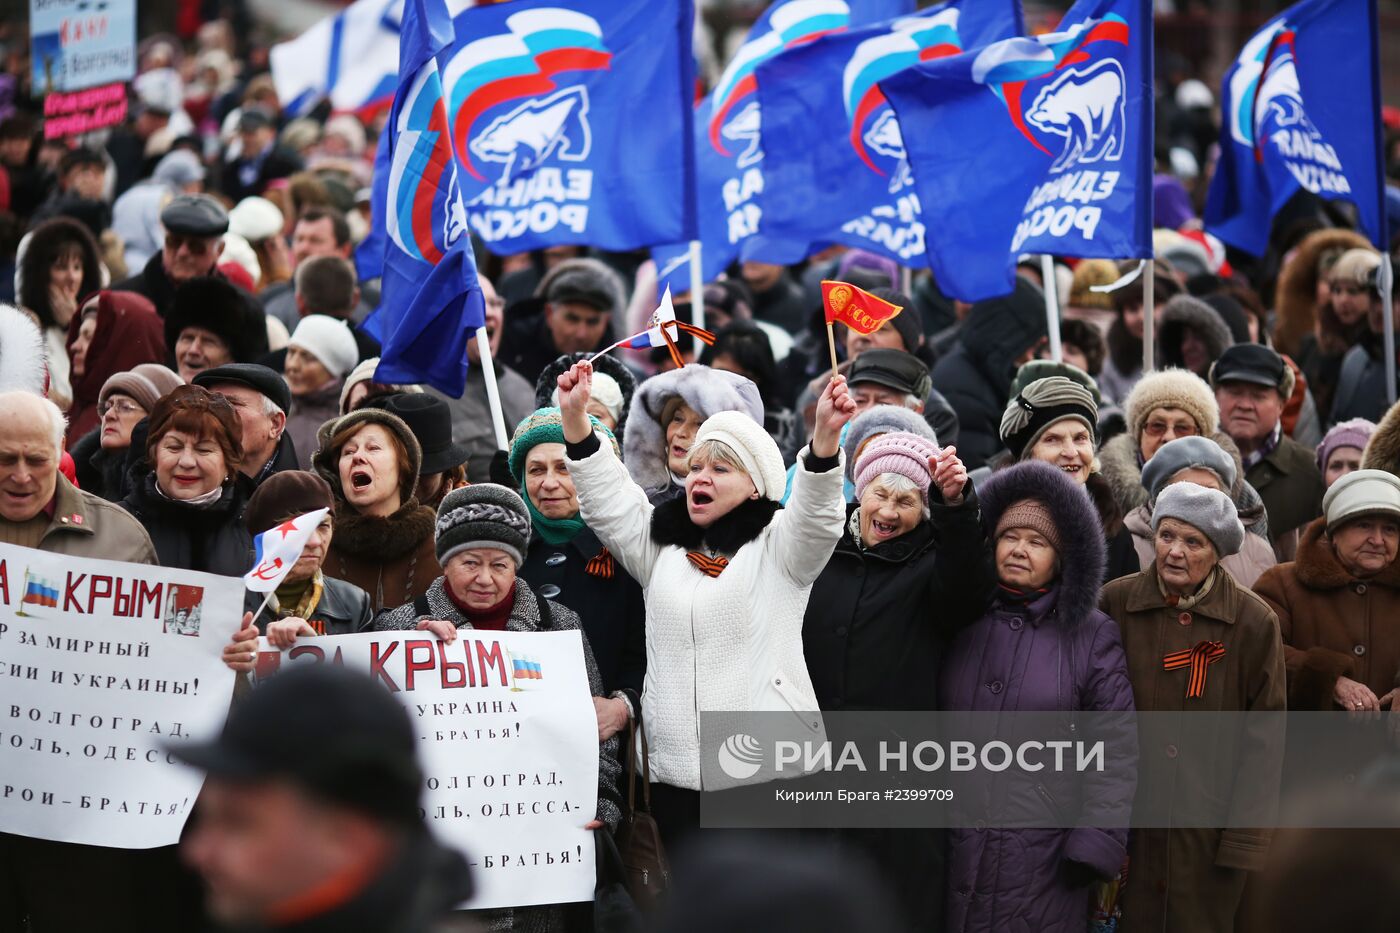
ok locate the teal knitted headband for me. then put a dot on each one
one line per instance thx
(544, 426)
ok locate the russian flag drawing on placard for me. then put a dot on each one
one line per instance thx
(39, 592)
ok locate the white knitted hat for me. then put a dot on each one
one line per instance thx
(330, 341)
(606, 392)
(755, 449)
(21, 353)
(1362, 492)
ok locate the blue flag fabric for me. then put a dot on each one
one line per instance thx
(1033, 145)
(1301, 112)
(572, 125)
(729, 158)
(431, 301)
(834, 168)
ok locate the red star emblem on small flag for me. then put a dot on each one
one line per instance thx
(286, 527)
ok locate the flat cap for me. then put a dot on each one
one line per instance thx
(894, 369)
(195, 215)
(258, 378)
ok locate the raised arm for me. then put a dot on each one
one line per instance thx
(806, 531)
(611, 504)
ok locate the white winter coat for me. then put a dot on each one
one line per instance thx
(731, 643)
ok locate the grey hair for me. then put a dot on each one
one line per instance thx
(913, 402)
(270, 407)
(899, 484)
(58, 424)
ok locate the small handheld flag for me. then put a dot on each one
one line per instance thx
(662, 331)
(855, 307)
(277, 550)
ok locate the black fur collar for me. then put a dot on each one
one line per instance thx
(671, 524)
(386, 538)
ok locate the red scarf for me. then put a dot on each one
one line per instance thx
(490, 620)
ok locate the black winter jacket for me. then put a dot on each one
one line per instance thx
(879, 619)
(208, 538)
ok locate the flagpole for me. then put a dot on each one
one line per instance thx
(1386, 273)
(906, 281)
(493, 392)
(697, 287)
(1052, 305)
(1149, 276)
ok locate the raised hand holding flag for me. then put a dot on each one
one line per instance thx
(663, 330)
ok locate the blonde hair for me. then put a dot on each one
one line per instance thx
(713, 451)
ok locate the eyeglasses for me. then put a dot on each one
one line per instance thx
(197, 245)
(121, 406)
(1159, 428)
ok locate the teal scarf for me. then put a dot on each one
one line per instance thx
(553, 530)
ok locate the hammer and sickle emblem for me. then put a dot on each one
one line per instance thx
(266, 570)
(840, 297)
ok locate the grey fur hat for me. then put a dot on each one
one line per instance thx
(1184, 311)
(882, 419)
(1209, 511)
(1183, 454)
(482, 515)
(706, 390)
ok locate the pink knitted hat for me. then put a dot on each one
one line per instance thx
(897, 452)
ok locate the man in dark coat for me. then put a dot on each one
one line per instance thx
(572, 312)
(998, 336)
(260, 159)
(195, 225)
(309, 819)
(1252, 384)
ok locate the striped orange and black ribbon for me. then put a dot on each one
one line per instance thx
(699, 333)
(1197, 658)
(709, 566)
(601, 565)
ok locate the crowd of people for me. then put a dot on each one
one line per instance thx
(951, 520)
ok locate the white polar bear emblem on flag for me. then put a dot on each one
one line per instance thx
(1088, 108)
(540, 127)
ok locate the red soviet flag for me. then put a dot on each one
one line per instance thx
(859, 310)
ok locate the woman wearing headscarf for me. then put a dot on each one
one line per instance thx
(59, 265)
(113, 333)
(566, 562)
(910, 569)
(1042, 646)
(1197, 640)
(321, 353)
(307, 603)
(481, 535)
(184, 490)
(1338, 602)
(726, 572)
(100, 456)
(613, 389)
(383, 535)
(667, 411)
(1202, 461)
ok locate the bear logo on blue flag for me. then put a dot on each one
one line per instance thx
(422, 224)
(554, 125)
(744, 128)
(1087, 108)
(874, 127)
(1266, 105)
(522, 64)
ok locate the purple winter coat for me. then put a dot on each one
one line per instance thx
(1059, 652)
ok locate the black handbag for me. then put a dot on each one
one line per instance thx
(647, 870)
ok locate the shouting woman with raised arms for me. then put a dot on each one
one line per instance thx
(726, 571)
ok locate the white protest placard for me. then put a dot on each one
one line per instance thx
(76, 44)
(101, 664)
(508, 743)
